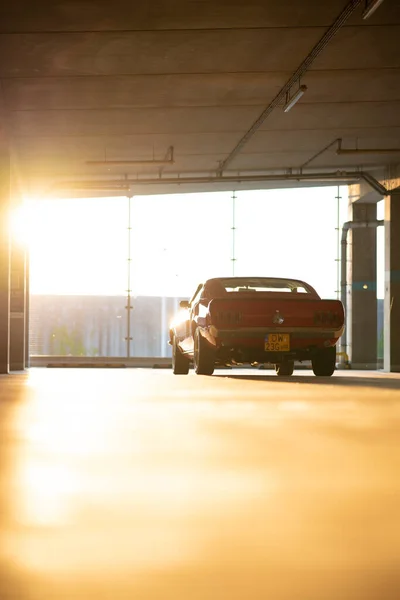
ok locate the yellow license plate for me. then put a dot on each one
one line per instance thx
(277, 342)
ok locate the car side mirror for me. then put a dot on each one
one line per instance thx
(184, 304)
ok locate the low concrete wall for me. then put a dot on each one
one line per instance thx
(99, 362)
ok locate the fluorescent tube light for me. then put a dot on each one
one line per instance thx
(371, 8)
(295, 98)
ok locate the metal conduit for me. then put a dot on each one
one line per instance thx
(124, 184)
(295, 77)
(343, 284)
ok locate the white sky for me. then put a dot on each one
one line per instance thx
(80, 246)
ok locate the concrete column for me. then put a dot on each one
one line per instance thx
(392, 283)
(362, 321)
(4, 258)
(17, 307)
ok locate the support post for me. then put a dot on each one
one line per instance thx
(391, 352)
(17, 307)
(362, 299)
(4, 258)
(27, 313)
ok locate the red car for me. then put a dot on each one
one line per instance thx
(239, 320)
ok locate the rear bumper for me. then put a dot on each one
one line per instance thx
(296, 333)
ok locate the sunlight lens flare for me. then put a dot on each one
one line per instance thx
(22, 223)
(179, 318)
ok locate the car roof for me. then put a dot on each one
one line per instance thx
(258, 277)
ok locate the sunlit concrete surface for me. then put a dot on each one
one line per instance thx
(137, 484)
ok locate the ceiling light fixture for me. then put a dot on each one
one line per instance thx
(371, 8)
(290, 102)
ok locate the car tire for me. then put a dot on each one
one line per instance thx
(285, 368)
(203, 355)
(324, 362)
(180, 362)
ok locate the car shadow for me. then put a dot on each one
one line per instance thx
(378, 382)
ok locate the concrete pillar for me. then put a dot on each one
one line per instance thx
(17, 276)
(362, 313)
(4, 258)
(17, 307)
(391, 361)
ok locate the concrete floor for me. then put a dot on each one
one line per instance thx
(135, 484)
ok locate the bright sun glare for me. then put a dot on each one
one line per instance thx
(22, 223)
(80, 246)
(73, 246)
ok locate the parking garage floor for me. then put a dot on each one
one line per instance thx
(135, 484)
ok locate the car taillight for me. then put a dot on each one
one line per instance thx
(327, 318)
(229, 317)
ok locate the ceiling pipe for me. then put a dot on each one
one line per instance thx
(340, 150)
(375, 184)
(99, 188)
(337, 141)
(343, 266)
(368, 150)
(344, 176)
(139, 163)
(123, 163)
(294, 79)
(349, 151)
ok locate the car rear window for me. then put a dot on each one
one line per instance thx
(237, 285)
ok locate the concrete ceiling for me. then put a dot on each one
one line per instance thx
(117, 81)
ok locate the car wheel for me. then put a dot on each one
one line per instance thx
(180, 362)
(285, 368)
(324, 362)
(204, 355)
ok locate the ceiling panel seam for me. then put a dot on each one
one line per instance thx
(66, 32)
(188, 107)
(158, 31)
(214, 74)
(188, 133)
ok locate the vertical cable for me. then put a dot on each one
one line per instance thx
(128, 303)
(233, 259)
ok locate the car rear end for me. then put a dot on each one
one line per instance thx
(265, 329)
